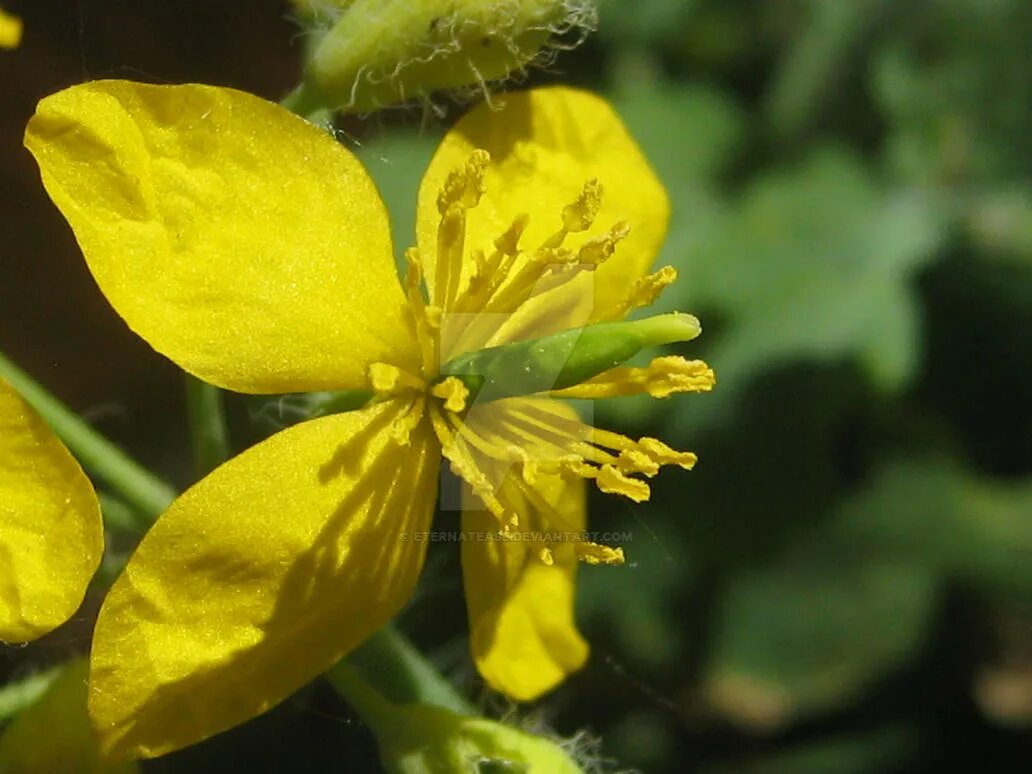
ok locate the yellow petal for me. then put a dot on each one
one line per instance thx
(260, 577)
(10, 30)
(54, 734)
(520, 590)
(51, 535)
(545, 145)
(239, 240)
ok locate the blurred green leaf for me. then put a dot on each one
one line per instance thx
(636, 603)
(953, 78)
(811, 630)
(644, 23)
(814, 262)
(853, 598)
(934, 513)
(886, 749)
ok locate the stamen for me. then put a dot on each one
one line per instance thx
(426, 335)
(644, 292)
(453, 392)
(579, 214)
(546, 557)
(597, 250)
(593, 553)
(664, 455)
(461, 191)
(612, 480)
(387, 380)
(447, 427)
(493, 272)
(637, 461)
(663, 377)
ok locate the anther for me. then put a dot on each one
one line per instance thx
(453, 392)
(464, 185)
(593, 553)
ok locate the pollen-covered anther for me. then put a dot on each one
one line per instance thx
(546, 557)
(664, 455)
(647, 289)
(597, 250)
(453, 392)
(611, 480)
(386, 379)
(661, 378)
(637, 461)
(580, 214)
(465, 184)
(593, 553)
(509, 242)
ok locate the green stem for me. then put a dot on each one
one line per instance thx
(209, 435)
(390, 662)
(120, 517)
(136, 485)
(302, 102)
(376, 710)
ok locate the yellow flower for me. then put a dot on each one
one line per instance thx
(253, 250)
(51, 536)
(10, 30)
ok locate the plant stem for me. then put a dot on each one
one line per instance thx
(209, 435)
(392, 663)
(134, 483)
(372, 706)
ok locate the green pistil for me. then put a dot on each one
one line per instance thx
(564, 359)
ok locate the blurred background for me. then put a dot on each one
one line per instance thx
(844, 583)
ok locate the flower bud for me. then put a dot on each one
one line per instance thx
(375, 53)
(429, 739)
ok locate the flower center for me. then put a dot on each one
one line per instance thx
(501, 447)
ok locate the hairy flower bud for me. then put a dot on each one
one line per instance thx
(375, 53)
(427, 738)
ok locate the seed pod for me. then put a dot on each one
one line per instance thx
(384, 52)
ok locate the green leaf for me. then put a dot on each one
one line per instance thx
(853, 598)
(813, 263)
(953, 79)
(812, 630)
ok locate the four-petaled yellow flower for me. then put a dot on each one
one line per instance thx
(51, 535)
(253, 250)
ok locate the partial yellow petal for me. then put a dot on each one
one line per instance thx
(53, 735)
(242, 242)
(520, 585)
(260, 577)
(10, 30)
(547, 146)
(51, 535)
